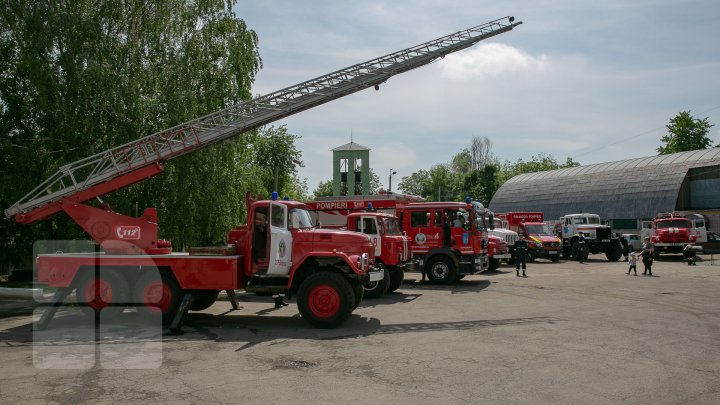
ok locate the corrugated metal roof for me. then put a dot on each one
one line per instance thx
(631, 188)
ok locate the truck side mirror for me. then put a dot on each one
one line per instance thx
(318, 224)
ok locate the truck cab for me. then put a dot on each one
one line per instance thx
(449, 239)
(542, 243)
(598, 236)
(670, 232)
(392, 248)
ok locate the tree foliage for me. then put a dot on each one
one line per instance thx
(685, 133)
(79, 77)
(463, 177)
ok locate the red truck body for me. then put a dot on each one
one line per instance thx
(277, 251)
(670, 232)
(447, 240)
(392, 248)
(542, 243)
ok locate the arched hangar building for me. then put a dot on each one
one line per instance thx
(623, 192)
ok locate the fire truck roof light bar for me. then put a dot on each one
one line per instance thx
(75, 177)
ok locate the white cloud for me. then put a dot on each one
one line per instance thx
(490, 60)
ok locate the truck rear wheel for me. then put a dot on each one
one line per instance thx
(325, 299)
(159, 293)
(396, 279)
(441, 270)
(376, 289)
(204, 300)
(494, 264)
(102, 291)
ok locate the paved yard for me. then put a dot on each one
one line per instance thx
(569, 333)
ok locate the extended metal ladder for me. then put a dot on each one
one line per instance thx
(77, 177)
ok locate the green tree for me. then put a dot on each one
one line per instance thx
(537, 163)
(277, 155)
(685, 133)
(79, 77)
(418, 183)
(324, 189)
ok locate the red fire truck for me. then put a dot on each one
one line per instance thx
(542, 243)
(448, 239)
(392, 248)
(324, 268)
(671, 231)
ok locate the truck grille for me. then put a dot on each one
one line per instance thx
(602, 232)
(510, 239)
(551, 245)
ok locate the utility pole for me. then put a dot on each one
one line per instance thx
(390, 180)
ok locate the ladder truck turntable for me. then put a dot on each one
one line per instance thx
(324, 268)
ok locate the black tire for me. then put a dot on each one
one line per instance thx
(441, 270)
(511, 260)
(656, 254)
(615, 253)
(204, 300)
(567, 252)
(530, 257)
(358, 293)
(555, 259)
(494, 264)
(397, 276)
(377, 289)
(575, 251)
(159, 293)
(325, 299)
(102, 292)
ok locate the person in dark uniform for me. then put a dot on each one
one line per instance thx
(520, 256)
(582, 248)
(625, 246)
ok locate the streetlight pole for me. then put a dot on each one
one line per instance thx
(390, 180)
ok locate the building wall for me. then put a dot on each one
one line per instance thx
(627, 190)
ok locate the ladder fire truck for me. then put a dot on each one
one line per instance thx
(449, 240)
(323, 268)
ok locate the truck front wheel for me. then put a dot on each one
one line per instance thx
(325, 299)
(376, 289)
(614, 253)
(159, 293)
(494, 264)
(396, 279)
(441, 270)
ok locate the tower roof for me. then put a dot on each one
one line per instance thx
(350, 146)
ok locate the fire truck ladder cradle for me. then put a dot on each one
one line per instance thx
(135, 161)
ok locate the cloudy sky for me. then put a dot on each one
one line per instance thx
(593, 80)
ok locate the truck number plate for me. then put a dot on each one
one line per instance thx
(376, 275)
(553, 252)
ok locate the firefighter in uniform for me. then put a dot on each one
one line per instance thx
(520, 256)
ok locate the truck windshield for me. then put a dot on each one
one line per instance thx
(539, 229)
(391, 226)
(587, 220)
(299, 218)
(676, 223)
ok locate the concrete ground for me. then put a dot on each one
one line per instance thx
(569, 333)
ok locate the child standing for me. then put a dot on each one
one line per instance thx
(632, 262)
